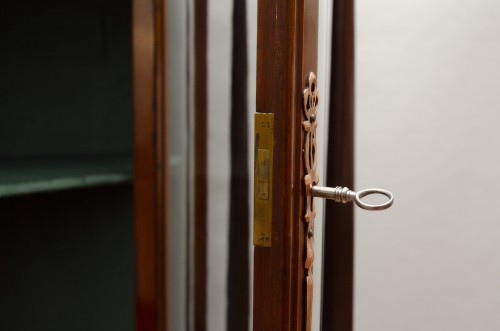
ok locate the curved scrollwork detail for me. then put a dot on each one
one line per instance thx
(311, 101)
(310, 107)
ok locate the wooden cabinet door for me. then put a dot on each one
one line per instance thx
(287, 52)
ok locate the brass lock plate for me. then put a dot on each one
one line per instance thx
(263, 179)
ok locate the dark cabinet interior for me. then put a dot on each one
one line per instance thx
(66, 208)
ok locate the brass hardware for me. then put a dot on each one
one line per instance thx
(263, 179)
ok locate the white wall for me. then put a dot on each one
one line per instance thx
(428, 83)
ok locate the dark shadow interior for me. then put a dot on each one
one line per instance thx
(66, 206)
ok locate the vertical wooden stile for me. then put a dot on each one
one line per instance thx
(150, 164)
(200, 164)
(238, 265)
(286, 54)
(338, 255)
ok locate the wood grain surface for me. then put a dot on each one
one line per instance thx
(150, 164)
(286, 53)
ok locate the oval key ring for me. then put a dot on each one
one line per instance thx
(370, 191)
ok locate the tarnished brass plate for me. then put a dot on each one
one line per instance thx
(263, 179)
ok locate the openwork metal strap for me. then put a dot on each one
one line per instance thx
(311, 101)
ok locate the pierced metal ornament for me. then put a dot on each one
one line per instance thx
(310, 107)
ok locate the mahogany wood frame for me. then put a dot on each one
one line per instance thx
(338, 254)
(238, 277)
(286, 53)
(200, 164)
(150, 163)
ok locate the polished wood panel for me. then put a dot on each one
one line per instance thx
(337, 314)
(200, 164)
(286, 53)
(238, 268)
(150, 164)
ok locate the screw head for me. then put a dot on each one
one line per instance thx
(310, 233)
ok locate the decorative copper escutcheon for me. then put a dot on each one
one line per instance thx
(310, 107)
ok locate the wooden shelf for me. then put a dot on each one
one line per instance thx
(43, 174)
